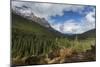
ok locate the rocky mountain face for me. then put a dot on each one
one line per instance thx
(27, 13)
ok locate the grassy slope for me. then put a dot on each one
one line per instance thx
(91, 34)
(88, 34)
(26, 26)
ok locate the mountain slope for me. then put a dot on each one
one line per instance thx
(88, 34)
(85, 35)
(23, 25)
(30, 15)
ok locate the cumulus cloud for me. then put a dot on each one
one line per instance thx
(69, 26)
(46, 10)
(72, 26)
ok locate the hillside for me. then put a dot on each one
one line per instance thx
(88, 34)
(23, 25)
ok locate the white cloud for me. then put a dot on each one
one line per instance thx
(47, 10)
(71, 26)
(90, 17)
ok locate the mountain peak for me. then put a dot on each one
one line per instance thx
(27, 13)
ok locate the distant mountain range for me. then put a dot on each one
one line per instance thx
(28, 22)
(87, 34)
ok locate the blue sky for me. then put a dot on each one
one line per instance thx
(72, 15)
(65, 18)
